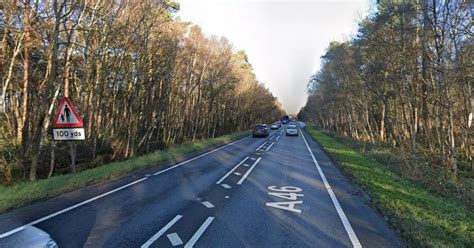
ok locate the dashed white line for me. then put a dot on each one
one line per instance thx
(237, 174)
(174, 239)
(207, 204)
(253, 159)
(233, 169)
(248, 171)
(227, 186)
(347, 225)
(246, 165)
(161, 231)
(199, 232)
(226, 197)
(270, 146)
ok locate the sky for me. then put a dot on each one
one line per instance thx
(284, 39)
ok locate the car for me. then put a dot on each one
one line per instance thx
(260, 130)
(291, 130)
(274, 126)
(29, 236)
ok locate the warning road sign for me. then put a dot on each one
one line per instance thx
(67, 115)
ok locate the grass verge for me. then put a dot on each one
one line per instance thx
(423, 219)
(25, 193)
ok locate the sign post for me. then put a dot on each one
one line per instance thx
(68, 126)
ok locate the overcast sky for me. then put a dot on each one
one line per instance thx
(284, 39)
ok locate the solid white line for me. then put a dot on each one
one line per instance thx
(233, 169)
(161, 231)
(3, 235)
(248, 172)
(174, 239)
(227, 186)
(199, 232)
(260, 146)
(207, 204)
(347, 225)
(110, 192)
(200, 156)
(270, 146)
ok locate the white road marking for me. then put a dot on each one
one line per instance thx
(237, 174)
(161, 231)
(233, 169)
(260, 146)
(207, 204)
(200, 156)
(246, 165)
(199, 232)
(253, 158)
(226, 197)
(248, 171)
(347, 225)
(227, 186)
(69, 208)
(174, 239)
(289, 205)
(277, 138)
(270, 146)
(3, 235)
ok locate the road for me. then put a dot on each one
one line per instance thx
(255, 192)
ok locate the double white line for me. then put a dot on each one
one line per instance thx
(191, 241)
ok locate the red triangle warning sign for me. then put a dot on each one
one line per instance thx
(67, 115)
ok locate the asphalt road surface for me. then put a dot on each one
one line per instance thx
(277, 191)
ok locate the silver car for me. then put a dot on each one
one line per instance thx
(29, 236)
(291, 130)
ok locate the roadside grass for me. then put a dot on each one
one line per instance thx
(423, 219)
(25, 193)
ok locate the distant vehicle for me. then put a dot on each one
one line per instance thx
(30, 236)
(285, 119)
(275, 126)
(260, 130)
(291, 130)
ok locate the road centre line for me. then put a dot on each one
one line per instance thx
(3, 235)
(230, 172)
(200, 156)
(207, 204)
(248, 171)
(227, 186)
(111, 191)
(161, 231)
(260, 146)
(175, 239)
(347, 225)
(199, 232)
(270, 146)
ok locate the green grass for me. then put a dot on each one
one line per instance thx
(423, 219)
(25, 193)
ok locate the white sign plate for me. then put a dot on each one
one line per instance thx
(69, 134)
